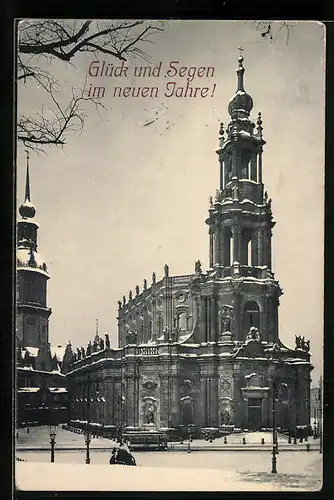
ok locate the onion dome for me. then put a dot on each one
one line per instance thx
(27, 209)
(241, 103)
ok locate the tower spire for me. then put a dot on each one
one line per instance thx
(27, 192)
(27, 209)
(240, 73)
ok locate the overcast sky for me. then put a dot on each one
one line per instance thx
(124, 198)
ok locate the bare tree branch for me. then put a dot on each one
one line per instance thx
(62, 40)
(268, 29)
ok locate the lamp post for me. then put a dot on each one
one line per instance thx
(53, 433)
(274, 452)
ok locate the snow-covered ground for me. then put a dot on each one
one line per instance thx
(81, 477)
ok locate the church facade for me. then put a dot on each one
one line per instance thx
(204, 349)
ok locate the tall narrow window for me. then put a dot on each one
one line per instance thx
(245, 164)
(231, 250)
(249, 253)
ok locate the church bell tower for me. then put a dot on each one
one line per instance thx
(32, 323)
(240, 227)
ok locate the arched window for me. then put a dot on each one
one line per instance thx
(160, 325)
(251, 316)
(245, 164)
(228, 168)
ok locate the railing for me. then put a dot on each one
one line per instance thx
(186, 278)
(148, 350)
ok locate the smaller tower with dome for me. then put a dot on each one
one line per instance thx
(32, 276)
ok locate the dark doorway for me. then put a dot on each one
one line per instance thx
(254, 414)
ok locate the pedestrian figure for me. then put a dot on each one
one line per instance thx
(225, 440)
(122, 456)
(262, 441)
(243, 440)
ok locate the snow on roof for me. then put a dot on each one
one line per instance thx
(29, 389)
(251, 375)
(33, 351)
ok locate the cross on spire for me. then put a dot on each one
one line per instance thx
(240, 50)
(27, 190)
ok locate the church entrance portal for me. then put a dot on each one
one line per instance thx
(254, 414)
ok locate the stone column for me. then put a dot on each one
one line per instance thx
(222, 173)
(207, 401)
(259, 170)
(130, 399)
(260, 260)
(208, 319)
(253, 166)
(203, 400)
(213, 401)
(269, 248)
(203, 320)
(255, 251)
(213, 314)
(211, 233)
(236, 234)
(238, 326)
(174, 400)
(217, 237)
(235, 163)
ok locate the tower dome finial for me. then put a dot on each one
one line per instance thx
(241, 103)
(27, 209)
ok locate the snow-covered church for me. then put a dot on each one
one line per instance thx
(203, 349)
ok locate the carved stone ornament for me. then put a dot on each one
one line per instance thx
(225, 385)
(149, 385)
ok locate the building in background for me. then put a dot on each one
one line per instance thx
(41, 383)
(203, 349)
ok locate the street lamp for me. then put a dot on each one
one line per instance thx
(274, 452)
(53, 433)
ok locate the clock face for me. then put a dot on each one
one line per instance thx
(181, 297)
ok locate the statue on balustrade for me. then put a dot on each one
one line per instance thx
(107, 341)
(253, 334)
(83, 354)
(78, 354)
(89, 348)
(198, 267)
(166, 270)
(101, 344)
